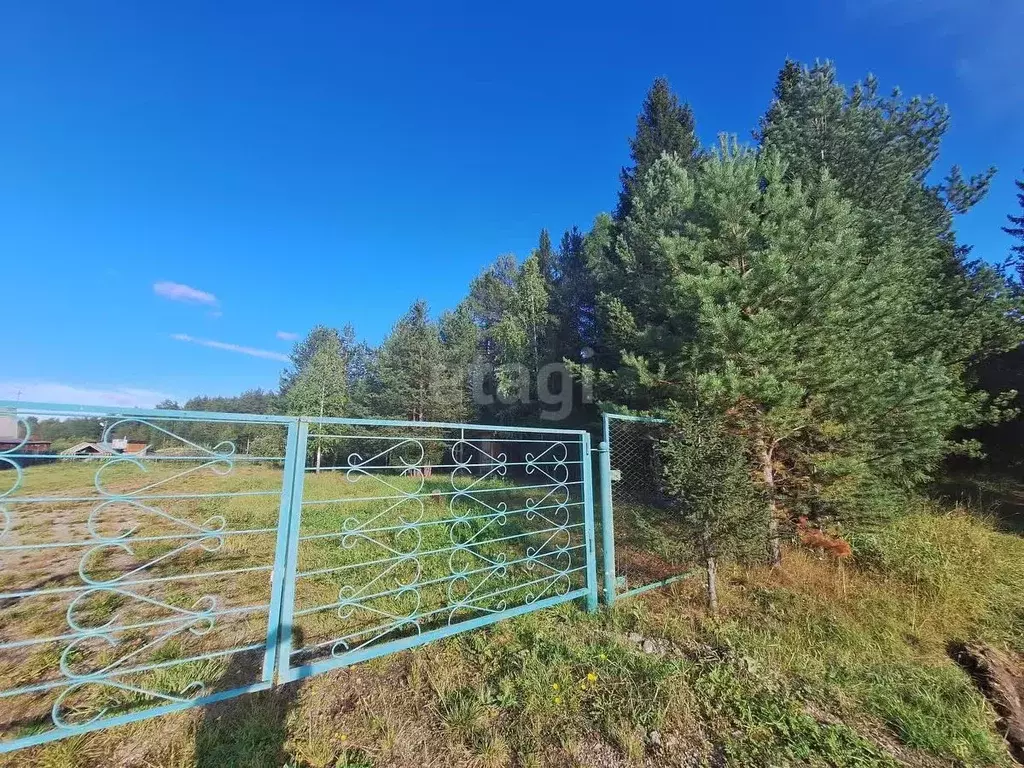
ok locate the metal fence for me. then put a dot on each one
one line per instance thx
(155, 567)
(644, 542)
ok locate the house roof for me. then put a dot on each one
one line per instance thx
(105, 448)
(79, 447)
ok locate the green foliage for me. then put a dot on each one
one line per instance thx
(459, 342)
(705, 471)
(880, 150)
(320, 388)
(65, 432)
(1016, 231)
(663, 126)
(835, 328)
(511, 305)
(418, 374)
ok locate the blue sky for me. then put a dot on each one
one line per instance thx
(183, 185)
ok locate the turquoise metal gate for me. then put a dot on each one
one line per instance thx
(179, 558)
(412, 531)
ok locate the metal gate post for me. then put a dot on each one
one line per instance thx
(292, 458)
(296, 483)
(588, 521)
(607, 521)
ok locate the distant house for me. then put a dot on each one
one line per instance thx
(22, 453)
(117, 447)
(31, 452)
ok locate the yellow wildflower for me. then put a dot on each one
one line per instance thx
(555, 686)
(592, 677)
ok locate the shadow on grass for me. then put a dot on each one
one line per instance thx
(249, 731)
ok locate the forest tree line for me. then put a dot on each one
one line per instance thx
(799, 308)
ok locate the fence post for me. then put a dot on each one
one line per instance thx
(588, 521)
(277, 575)
(607, 522)
(293, 523)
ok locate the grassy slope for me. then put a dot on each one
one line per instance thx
(807, 665)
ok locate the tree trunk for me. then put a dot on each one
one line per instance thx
(318, 452)
(713, 586)
(774, 543)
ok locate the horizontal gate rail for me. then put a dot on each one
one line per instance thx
(136, 569)
(168, 559)
(406, 532)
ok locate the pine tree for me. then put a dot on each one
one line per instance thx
(755, 298)
(320, 337)
(881, 150)
(357, 356)
(663, 125)
(705, 473)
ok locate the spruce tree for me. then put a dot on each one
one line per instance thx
(572, 299)
(459, 338)
(546, 258)
(1016, 230)
(705, 474)
(663, 125)
(410, 378)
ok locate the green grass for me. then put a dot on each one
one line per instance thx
(878, 646)
(807, 665)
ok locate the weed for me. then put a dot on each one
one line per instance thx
(462, 711)
(75, 752)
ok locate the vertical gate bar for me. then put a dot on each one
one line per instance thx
(607, 520)
(588, 521)
(277, 575)
(284, 637)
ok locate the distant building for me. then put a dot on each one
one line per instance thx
(11, 444)
(31, 452)
(8, 426)
(119, 446)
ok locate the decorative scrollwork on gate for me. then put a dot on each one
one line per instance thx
(131, 560)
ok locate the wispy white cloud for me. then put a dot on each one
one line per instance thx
(251, 351)
(287, 336)
(183, 293)
(56, 392)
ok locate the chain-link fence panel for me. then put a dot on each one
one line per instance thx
(648, 543)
